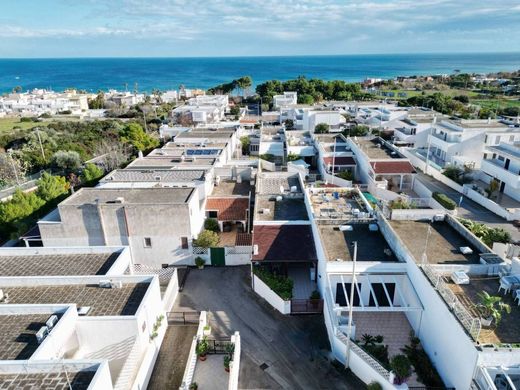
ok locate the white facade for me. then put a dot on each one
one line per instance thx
(39, 102)
(502, 163)
(288, 98)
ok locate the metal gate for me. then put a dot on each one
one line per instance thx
(306, 306)
(218, 256)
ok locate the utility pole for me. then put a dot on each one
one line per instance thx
(41, 145)
(429, 144)
(351, 306)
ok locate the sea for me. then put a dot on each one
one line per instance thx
(145, 74)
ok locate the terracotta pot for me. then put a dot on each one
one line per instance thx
(226, 368)
(202, 357)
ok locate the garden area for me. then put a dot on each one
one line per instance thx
(281, 285)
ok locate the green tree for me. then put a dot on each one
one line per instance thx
(66, 160)
(98, 102)
(212, 225)
(321, 128)
(15, 213)
(305, 99)
(207, 239)
(134, 134)
(50, 187)
(246, 142)
(235, 111)
(289, 124)
(91, 172)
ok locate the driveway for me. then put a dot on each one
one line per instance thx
(278, 352)
(468, 208)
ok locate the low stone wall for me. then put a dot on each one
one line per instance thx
(461, 229)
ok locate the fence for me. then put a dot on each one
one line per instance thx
(183, 317)
(306, 306)
(470, 323)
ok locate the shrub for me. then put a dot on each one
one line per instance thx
(401, 204)
(207, 239)
(315, 295)
(281, 285)
(245, 142)
(321, 128)
(199, 261)
(212, 225)
(458, 175)
(401, 367)
(373, 345)
(267, 157)
(50, 187)
(345, 175)
(423, 367)
(485, 233)
(374, 386)
(91, 172)
(444, 201)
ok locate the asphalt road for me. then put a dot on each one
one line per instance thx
(468, 208)
(294, 350)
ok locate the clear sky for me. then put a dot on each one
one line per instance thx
(183, 28)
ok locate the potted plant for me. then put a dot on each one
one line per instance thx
(206, 330)
(402, 369)
(194, 386)
(491, 308)
(315, 295)
(227, 362)
(202, 349)
(199, 262)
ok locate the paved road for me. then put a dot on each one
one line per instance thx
(470, 209)
(294, 348)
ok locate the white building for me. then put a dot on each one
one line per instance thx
(287, 99)
(502, 163)
(203, 109)
(41, 101)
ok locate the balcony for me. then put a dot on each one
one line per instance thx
(495, 168)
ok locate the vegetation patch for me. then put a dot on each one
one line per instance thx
(486, 234)
(281, 285)
(444, 200)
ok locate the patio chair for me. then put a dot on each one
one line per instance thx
(517, 296)
(504, 285)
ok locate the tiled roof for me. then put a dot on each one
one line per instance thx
(285, 243)
(243, 239)
(229, 209)
(392, 167)
(158, 175)
(340, 160)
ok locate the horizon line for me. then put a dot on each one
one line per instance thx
(263, 56)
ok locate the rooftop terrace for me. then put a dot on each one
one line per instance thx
(443, 246)
(371, 245)
(232, 188)
(272, 183)
(18, 335)
(55, 265)
(154, 175)
(63, 380)
(338, 205)
(122, 301)
(168, 162)
(508, 329)
(286, 209)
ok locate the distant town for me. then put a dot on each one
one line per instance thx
(290, 234)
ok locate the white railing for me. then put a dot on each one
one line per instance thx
(235, 367)
(189, 371)
(373, 363)
(200, 251)
(470, 323)
(484, 380)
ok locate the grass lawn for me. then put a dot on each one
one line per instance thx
(496, 102)
(7, 124)
(449, 92)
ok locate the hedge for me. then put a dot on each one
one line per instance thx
(279, 284)
(444, 201)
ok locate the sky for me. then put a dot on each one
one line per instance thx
(191, 28)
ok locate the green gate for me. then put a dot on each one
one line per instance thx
(218, 256)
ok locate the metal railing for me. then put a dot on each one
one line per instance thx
(306, 306)
(183, 317)
(470, 323)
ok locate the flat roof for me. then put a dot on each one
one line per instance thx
(62, 380)
(155, 175)
(122, 301)
(376, 149)
(130, 196)
(18, 335)
(168, 162)
(286, 209)
(371, 246)
(271, 183)
(232, 188)
(443, 246)
(508, 330)
(57, 264)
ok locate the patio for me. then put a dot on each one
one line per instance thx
(303, 285)
(210, 374)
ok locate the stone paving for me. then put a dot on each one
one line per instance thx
(17, 335)
(50, 380)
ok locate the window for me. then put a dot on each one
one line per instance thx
(147, 242)
(184, 242)
(212, 214)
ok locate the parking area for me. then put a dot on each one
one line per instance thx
(278, 352)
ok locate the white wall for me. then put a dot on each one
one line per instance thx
(270, 296)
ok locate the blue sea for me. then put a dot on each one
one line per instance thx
(93, 74)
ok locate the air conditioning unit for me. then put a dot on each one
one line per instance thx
(116, 284)
(294, 189)
(265, 211)
(346, 228)
(120, 199)
(41, 334)
(52, 321)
